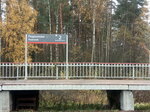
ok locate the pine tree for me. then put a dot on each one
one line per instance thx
(131, 30)
(128, 11)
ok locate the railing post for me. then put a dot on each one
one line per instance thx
(149, 70)
(149, 66)
(26, 58)
(133, 72)
(56, 72)
(67, 47)
(67, 71)
(17, 71)
(26, 71)
(0, 69)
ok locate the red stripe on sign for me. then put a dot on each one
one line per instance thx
(47, 42)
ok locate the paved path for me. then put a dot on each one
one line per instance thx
(75, 85)
(77, 82)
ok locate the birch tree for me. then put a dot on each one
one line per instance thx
(94, 25)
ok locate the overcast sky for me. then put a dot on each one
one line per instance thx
(149, 9)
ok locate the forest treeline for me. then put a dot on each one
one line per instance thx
(99, 30)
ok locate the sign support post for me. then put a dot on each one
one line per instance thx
(67, 69)
(26, 58)
(0, 50)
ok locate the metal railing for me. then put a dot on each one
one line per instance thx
(75, 70)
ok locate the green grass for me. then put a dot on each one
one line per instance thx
(70, 111)
(78, 110)
(86, 108)
(142, 106)
(74, 107)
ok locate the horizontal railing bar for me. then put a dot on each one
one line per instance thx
(117, 65)
(68, 63)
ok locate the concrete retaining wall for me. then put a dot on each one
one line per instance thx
(5, 101)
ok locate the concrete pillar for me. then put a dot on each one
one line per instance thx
(5, 101)
(127, 100)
